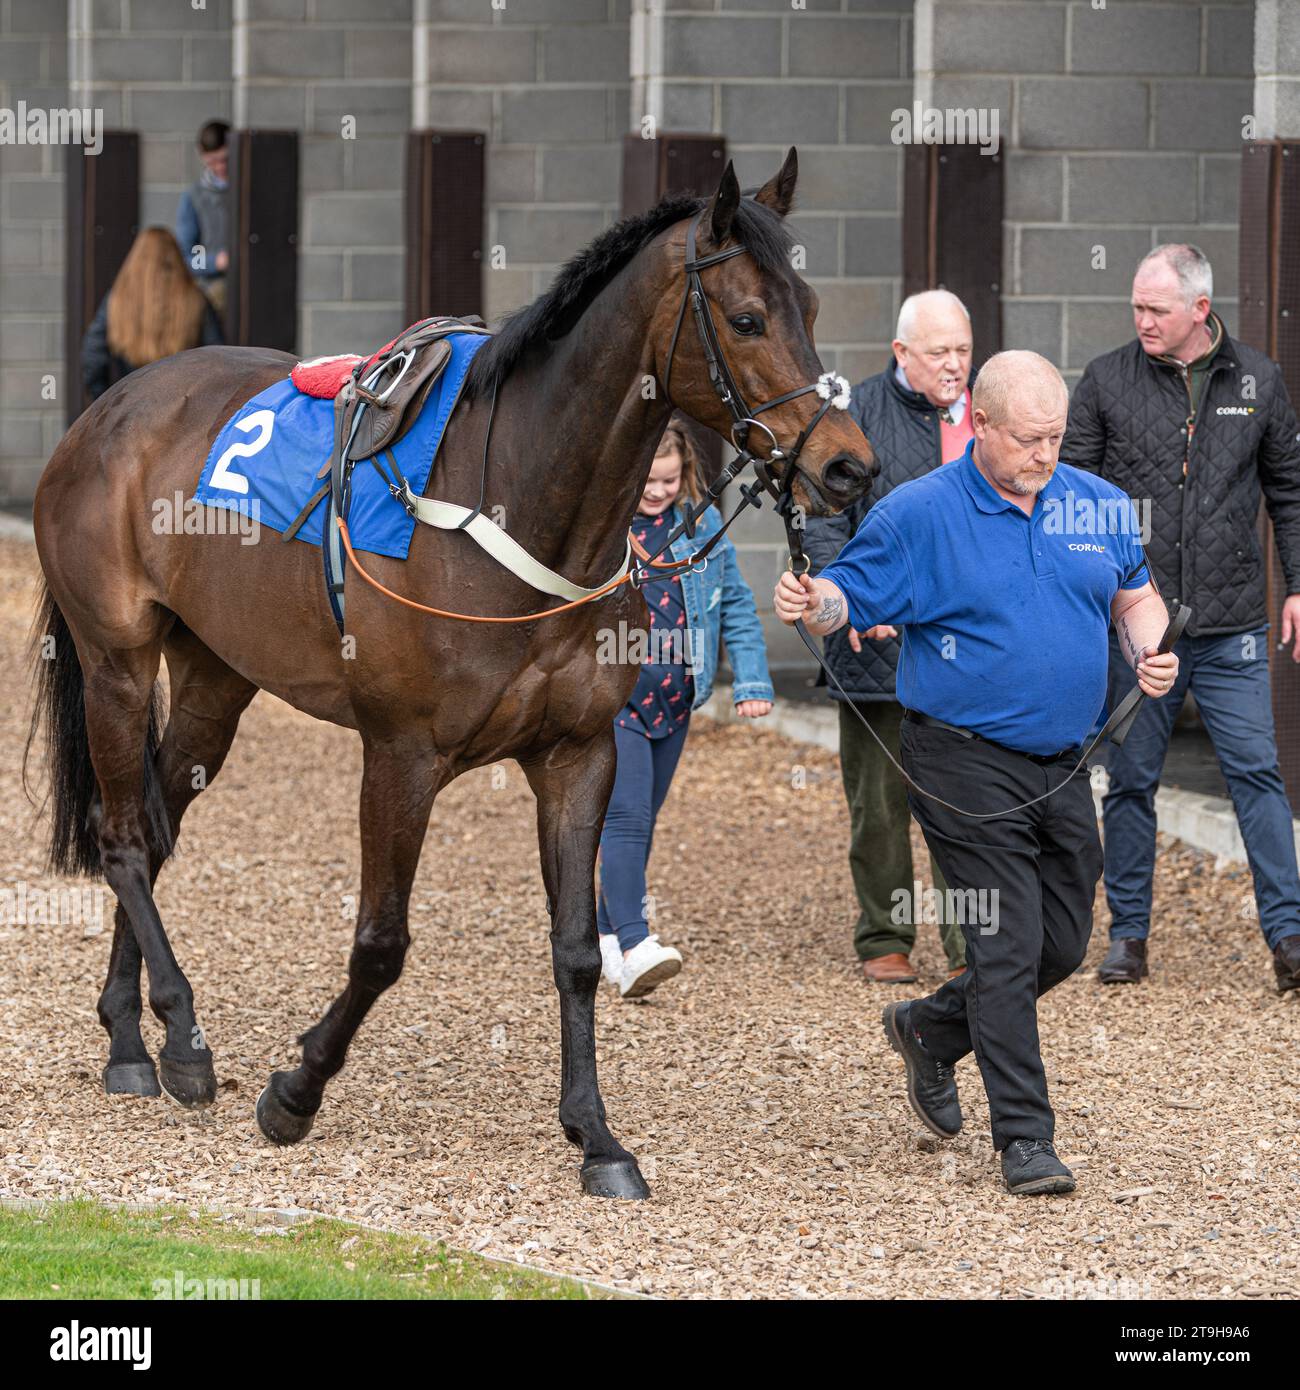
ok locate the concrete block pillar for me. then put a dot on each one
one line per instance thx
(547, 82)
(340, 73)
(33, 70)
(1277, 69)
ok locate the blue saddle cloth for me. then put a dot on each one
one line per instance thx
(266, 458)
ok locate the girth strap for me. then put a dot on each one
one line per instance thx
(503, 548)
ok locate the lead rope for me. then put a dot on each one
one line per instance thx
(1118, 725)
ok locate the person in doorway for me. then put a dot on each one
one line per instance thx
(201, 214)
(153, 310)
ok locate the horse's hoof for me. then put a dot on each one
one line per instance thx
(131, 1079)
(280, 1124)
(191, 1084)
(621, 1179)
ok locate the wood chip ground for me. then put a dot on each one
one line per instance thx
(757, 1088)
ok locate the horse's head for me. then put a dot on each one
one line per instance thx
(753, 345)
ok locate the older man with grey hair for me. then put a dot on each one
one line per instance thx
(1003, 674)
(1195, 426)
(916, 413)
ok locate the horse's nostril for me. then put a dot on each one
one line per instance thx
(846, 475)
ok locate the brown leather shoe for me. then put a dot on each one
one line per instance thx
(893, 969)
(1286, 964)
(1125, 963)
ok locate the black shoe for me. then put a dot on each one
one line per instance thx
(1125, 963)
(1286, 964)
(930, 1087)
(1031, 1167)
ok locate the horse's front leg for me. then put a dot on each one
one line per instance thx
(402, 776)
(572, 783)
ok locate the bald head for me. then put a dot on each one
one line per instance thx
(934, 344)
(921, 313)
(1015, 382)
(1019, 406)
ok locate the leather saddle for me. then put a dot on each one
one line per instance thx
(393, 386)
(373, 409)
(380, 401)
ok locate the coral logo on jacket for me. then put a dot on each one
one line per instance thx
(1235, 410)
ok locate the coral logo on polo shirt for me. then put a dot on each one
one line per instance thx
(1096, 549)
(1235, 410)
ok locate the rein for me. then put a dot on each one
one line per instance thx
(1116, 727)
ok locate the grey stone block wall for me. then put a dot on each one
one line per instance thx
(826, 79)
(341, 75)
(159, 68)
(1277, 68)
(1122, 128)
(33, 69)
(547, 82)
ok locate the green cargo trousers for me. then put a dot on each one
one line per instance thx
(880, 846)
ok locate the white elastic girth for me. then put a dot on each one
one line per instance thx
(504, 549)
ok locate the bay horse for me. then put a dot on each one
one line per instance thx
(578, 380)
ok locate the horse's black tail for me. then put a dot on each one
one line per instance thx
(60, 707)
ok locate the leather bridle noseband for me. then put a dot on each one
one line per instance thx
(833, 389)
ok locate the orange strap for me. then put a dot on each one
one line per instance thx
(639, 550)
(465, 617)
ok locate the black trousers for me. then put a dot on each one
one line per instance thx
(1034, 874)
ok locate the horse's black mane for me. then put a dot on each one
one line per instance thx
(554, 313)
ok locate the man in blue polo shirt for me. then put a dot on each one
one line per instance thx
(1005, 570)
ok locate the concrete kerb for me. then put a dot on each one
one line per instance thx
(1205, 822)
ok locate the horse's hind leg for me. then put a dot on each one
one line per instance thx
(119, 684)
(572, 784)
(403, 773)
(207, 699)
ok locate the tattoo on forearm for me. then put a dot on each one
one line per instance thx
(828, 614)
(1131, 648)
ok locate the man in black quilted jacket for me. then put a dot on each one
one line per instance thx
(1194, 426)
(916, 413)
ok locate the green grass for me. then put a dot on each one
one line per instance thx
(82, 1249)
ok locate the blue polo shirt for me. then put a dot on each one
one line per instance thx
(1004, 616)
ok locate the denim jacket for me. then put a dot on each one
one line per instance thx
(719, 605)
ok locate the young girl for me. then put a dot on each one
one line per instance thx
(689, 613)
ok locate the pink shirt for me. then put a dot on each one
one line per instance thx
(953, 439)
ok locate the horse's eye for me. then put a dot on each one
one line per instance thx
(747, 325)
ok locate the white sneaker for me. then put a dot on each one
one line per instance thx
(611, 958)
(647, 965)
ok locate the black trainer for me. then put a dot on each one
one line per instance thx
(1031, 1167)
(930, 1085)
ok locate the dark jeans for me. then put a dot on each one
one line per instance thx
(880, 842)
(641, 781)
(1229, 677)
(1043, 863)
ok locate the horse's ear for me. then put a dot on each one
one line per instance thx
(778, 192)
(723, 205)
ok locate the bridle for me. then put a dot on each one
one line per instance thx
(833, 389)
